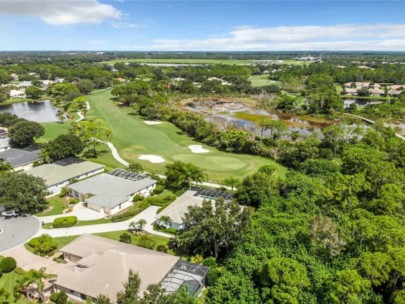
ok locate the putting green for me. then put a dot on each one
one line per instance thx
(132, 137)
(215, 163)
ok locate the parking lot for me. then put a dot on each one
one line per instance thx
(16, 231)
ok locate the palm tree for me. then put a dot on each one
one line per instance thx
(165, 221)
(138, 225)
(34, 279)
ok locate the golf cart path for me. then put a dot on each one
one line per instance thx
(148, 215)
(81, 116)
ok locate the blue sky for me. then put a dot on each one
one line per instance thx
(201, 25)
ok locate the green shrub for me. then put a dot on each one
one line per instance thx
(1, 273)
(64, 222)
(43, 245)
(213, 275)
(159, 189)
(130, 212)
(126, 238)
(146, 242)
(8, 264)
(162, 248)
(138, 198)
(74, 201)
(210, 262)
(54, 297)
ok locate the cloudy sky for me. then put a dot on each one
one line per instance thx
(202, 25)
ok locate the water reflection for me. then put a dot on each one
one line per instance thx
(42, 111)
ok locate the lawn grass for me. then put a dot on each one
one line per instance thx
(115, 235)
(81, 223)
(263, 80)
(61, 242)
(57, 203)
(53, 130)
(133, 138)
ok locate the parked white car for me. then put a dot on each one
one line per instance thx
(8, 214)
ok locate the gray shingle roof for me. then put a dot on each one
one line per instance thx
(110, 191)
(19, 157)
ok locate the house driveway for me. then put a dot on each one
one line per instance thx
(17, 231)
(148, 214)
(82, 213)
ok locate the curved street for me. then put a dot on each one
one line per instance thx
(17, 231)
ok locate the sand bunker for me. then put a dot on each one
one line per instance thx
(198, 149)
(155, 159)
(150, 122)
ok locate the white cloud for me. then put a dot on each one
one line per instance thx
(120, 25)
(61, 12)
(334, 37)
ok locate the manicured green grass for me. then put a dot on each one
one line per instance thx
(8, 281)
(53, 130)
(61, 242)
(133, 138)
(57, 203)
(115, 235)
(262, 80)
(104, 157)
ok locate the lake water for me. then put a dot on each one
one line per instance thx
(41, 111)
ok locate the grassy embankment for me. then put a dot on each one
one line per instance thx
(133, 138)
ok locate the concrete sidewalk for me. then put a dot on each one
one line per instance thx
(148, 214)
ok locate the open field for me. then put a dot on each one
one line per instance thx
(133, 138)
(197, 61)
(262, 80)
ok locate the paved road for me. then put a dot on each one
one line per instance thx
(148, 215)
(17, 231)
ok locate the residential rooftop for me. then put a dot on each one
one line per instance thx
(104, 266)
(20, 157)
(108, 190)
(64, 170)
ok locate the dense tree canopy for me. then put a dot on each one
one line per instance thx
(23, 193)
(24, 133)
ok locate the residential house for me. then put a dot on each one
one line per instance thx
(99, 266)
(111, 194)
(21, 159)
(59, 174)
(191, 198)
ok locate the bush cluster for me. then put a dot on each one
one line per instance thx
(130, 212)
(64, 222)
(7, 265)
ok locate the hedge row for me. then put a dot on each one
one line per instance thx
(130, 212)
(64, 222)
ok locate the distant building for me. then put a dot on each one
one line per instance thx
(21, 159)
(110, 194)
(59, 174)
(24, 84)
(101, 266)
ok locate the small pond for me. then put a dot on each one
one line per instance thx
(41, 111)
